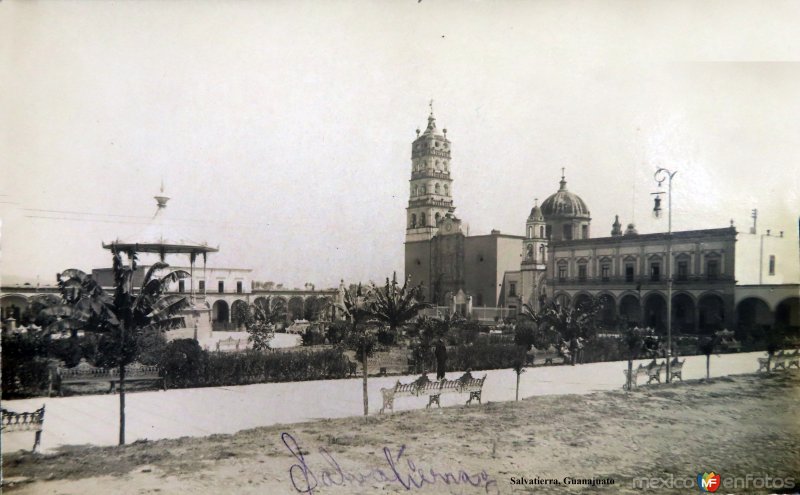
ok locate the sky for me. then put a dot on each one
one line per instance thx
(282, 130)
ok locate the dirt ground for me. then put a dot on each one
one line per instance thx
(735, 426)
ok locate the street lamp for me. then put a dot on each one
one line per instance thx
(661, 175)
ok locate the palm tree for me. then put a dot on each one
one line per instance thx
(395, 305)
(356, 305)
(263, 315)
(123, 316)
(570, 323)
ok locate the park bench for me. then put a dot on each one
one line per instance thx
(86, 373)
(654, 371)
(676, 369)
(779, 360)
(230, 345)
(634, 376)
(25, 421)
(793, 359)
(434, 390)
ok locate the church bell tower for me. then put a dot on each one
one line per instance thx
(430, 197)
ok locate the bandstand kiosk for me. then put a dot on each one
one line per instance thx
(161, 239)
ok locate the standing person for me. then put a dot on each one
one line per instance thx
(441, 359)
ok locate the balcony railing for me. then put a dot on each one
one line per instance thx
(692, 279)
(430, 152)
(422, 174)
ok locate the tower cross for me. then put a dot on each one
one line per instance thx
(430, 104)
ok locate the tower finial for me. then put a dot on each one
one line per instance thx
(430, 104)
(562, 173)
(563, 182)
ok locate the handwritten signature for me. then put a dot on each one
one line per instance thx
(399, 469)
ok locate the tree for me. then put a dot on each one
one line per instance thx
(638, 341)
(263, 315)
(394, 305)
(122, 317)
(518, 365)
(336, 332)
(707, 345)
(423, 333)
(355, 306)
(571, 323)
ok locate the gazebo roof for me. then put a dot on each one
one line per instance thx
(159, 237)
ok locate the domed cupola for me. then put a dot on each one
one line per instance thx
(566, 214)
(536, 214)
(564, 203)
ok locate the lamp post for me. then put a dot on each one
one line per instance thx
(660, 176)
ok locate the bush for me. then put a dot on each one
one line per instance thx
(183, 361)
(258, 367)
(481, 356)
(25, 367)
(312, 337)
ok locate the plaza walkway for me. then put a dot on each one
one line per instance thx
(205, 411)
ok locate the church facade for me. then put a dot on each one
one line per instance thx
(557, 258)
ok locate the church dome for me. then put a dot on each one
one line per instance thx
(536, 214)
(564, 204)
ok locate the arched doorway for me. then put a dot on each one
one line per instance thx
(711, 310)
(310, 309)
(239, 313)
(787, 313)
(630, 310)
(220, 313)
(296, 308)
(562, 299)
(608, 310)
(13, 306)
(683, 313)
(655, 312)
(582, 301)
(753, 317)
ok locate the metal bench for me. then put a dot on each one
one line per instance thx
(230, 345)
(632, 380)
(654, 371)
(676, 369)
(25, 421)
(86, 373)
(434, 390)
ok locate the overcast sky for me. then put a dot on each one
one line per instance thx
(282, 130)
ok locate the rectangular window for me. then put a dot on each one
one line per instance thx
(683, 270)
(605, 271)
(239, 287)
(655, 272)
(549, 231)
(567, 232)
(202, 286)
(512, 289)
(712, 269)
(629, 272)
(582, 273)
(221, 286)
(562, 272)
(772, 264)
(584, 231)
(180, 286)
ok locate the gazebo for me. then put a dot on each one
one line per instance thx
(162, 239)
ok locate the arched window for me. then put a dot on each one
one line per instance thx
(413, 220)
(438, 215)
(436, 165)
(421, 219)
(530, 232)
(541, 231)
(421, 190)
(437, 189)
(446, 190)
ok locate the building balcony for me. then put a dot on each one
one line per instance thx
(430, 152)
(430, 174)
(646, 283)
(430, 202)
